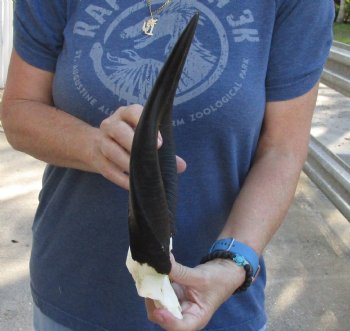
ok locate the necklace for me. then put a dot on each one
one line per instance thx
(150, 23)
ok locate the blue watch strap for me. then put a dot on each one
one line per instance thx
(236, 247)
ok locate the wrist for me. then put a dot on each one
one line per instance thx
(231, 276)
(239, 253)
(242, 253)
(234, 270)
(90, 155)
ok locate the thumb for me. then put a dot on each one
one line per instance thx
(184, 275)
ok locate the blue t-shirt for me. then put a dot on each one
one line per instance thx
(244, 54)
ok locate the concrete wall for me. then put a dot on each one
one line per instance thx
(6, 17)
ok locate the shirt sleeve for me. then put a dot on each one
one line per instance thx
(38, 31)
(300, 46)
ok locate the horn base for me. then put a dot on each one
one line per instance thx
(153, 285)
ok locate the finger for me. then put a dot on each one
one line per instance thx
(111, 172)
(116, 154)
(192, 320)
(130, 114)
(150, 308)
(186, 276)
(179, 291)
(121, 129)
(180, 164)
(160, 140)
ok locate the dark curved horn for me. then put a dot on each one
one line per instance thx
(153, 175)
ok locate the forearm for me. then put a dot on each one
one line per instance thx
(49, 134)
(270, 185)
(264, 199)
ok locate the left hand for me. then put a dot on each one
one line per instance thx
(201, 291)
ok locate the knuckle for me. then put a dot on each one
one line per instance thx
(119, 129)
(135, 111)
(136, 107)
(123, 111)
(105, 124)
(120, 110)
(107, 172)
(182, 272)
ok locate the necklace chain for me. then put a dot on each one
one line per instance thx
(160, 9)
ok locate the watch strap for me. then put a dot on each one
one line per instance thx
(238, 248)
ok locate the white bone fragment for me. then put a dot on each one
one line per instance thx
(151, 284)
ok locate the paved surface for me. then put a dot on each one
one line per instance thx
(331, 122)
(308, 260)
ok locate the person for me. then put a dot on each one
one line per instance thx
(79, 75)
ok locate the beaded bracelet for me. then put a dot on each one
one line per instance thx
(239, 260)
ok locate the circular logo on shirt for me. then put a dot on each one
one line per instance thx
(127, 61)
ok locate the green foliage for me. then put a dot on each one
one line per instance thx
(342, 32)
(347, 9)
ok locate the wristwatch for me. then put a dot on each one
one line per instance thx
(243, 255)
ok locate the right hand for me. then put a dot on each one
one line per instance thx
(111, 154)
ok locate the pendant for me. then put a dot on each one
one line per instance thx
(148, 26)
